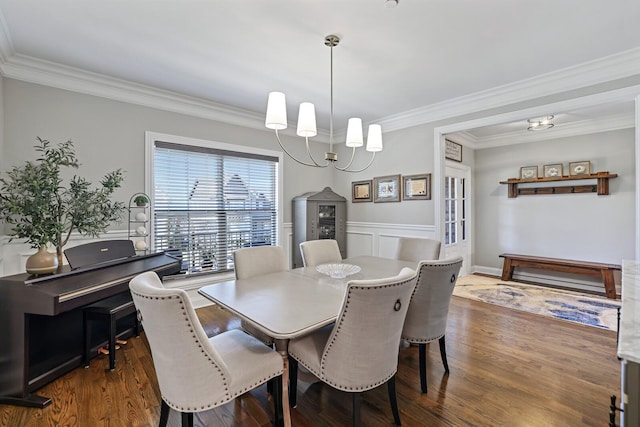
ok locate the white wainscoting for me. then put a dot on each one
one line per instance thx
(14, 254)
(363, 238)
(381, 239)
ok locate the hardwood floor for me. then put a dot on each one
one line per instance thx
(508, 368)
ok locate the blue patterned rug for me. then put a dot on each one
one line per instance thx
(578, 307)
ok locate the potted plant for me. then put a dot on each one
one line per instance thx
(141, 200)
(43, 211)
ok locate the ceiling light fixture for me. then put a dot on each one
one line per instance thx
(540, 123)
(391, 3)
(276, 119)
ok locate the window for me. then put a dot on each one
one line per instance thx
(208, 201)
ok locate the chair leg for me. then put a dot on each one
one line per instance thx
(187, 419)
(276, 384)
(391, 387)
(293, 382)
(422, 351)
(357, 397)
(137, 326)
(443, 354)
(164, 414)
(87, 340)
(112, 343)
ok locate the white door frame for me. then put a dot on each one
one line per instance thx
(620, 95)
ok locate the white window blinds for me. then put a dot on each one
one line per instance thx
(208, 203)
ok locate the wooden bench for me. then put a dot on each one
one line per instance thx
(605, 271)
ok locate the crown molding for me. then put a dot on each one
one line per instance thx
(60, 76)
(34, 70)
(6, 46)
(602, 70)
(583, 127)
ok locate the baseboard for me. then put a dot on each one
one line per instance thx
(571, 282)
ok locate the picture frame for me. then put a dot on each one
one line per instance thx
(529, 172)
(386, 188)
(552, 171)
(580, 168)
(416, 187)
(361, 191)
(452, 150)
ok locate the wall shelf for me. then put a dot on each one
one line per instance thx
(601, 187)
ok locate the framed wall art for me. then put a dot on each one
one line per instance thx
(416, 187)
(386, 188)
(552, 171)
(580, 168)
(361, 191)
(452, 150)
(529, 172)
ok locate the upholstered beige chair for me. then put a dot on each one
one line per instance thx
(316, 252)
(250, 262)
(360, 351)
(417, 249)
(427, 316)
(196, 373)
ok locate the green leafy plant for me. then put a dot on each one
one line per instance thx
(141, 200)
(41, 210)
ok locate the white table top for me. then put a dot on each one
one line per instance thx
(629, 334)
(289, 304)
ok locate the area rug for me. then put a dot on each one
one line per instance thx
(578, 307)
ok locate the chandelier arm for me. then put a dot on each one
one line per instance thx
(314, 164)
(345, 169)
(311, 157)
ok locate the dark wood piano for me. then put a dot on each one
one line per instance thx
(42, 323)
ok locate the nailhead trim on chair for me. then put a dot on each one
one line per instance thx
(428, 340)
(338, 326)
(229, 397)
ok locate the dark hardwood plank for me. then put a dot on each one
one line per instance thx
(507, 368)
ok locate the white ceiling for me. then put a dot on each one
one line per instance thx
(390, 60)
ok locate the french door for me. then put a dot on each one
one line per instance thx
(457, 214)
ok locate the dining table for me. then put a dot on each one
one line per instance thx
(292, 303)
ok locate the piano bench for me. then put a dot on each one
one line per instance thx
(110, 309)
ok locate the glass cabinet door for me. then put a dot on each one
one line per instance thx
(326, 221)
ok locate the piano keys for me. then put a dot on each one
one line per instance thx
(42, 317)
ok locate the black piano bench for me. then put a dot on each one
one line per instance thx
(110, 309)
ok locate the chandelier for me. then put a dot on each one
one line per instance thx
(276, 119)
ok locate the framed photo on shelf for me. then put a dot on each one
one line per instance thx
(416, 187)
(552, 171)
(386, 188)
(580, 168)
(452, 150)
(361, 191)
(529, 172)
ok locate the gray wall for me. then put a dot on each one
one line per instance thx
(2, 157)
(110, 134)
(578, 226)
(406, 152)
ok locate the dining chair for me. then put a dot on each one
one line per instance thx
(427, 316)
(316, 252)
(417, 249)
(254, 261)
(196, 373)
(360, 351)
